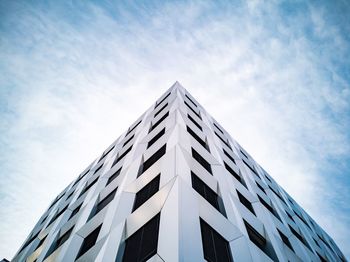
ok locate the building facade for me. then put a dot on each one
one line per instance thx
(176, 187)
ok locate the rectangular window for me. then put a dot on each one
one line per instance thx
(75, 211)
(244, 154)
(103, 203)
(197, 114)
(259, 186)
(222, 132)
(160, 110)
(86, 188)
(229, 156)
(215, 247)
(285, 240)
(114, 176)
(106, 153)
(159, 121)
(199, 140)
(277, 194)
(191, 100)
(58, 214)
(269, 207)
(223, 141)
(251, 169)
(245, 202)
(142, 245)
(77, 181)
(59, 242)
(205, 192)
(161, 101)
(260, 241)
(201, 160)
(154, 158)
(29, 241)
(300, 237)
(194, 122)
(127, 141)
(146, 193)
(156, 137)
(132, 129)
(234, 174)
(122, 156)
(98, 169)
(89, 241)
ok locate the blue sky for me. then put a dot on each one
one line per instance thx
(75, 74)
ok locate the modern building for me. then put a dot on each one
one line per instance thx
(176, 187)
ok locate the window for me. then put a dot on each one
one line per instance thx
(300, 237)
(89, 241)
(269, 207)
(88, 187)
(161, 101)
(290, 216)
(234, 174)
(251, 169)
(199, 140)
(156, 137)
(285, 239)
(191, 100)
(70, 194)
(259, 186)
(245, 202)
(59, 242)
(41, 242)
(222, 140)
(154, 158)
(57, 215)
(153, 126)
(98, 169)
(127, 141)
(197, 114)
(77, 181)
(215, 247)
(106, 153)
(122, 156)
(206, 192)
(103, 203)
(142, 245)
(75, 211)
(194, 122)
(222, 132)
(160, 110)
(268, 178)
(229, 156)
(29, 241)
(260, 241)
(321, 257)
(146, 192)
(112, 177)
(201, 160)
(132, 129)
(278, 195)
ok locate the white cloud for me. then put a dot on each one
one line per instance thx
(78, 84)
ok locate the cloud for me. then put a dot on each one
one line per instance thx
(273, 74)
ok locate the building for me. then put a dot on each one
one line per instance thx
(176, 187)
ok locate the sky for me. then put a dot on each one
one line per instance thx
(74, 75)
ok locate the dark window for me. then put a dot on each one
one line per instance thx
(260, 241)
(197, 114)
(161, 101)
(268, 178)
(127, 141)
(57, 215)
(229, 156)
(245, 202)
(222, 140)
(302, 219)
(191, 100)
(70, 194)
(29, 241)
(41, 242)
(154, 158)
(55, 201)
(59, 242)
(122, 156)
(205, 192)
(321, 257)
(112, 177)
(279, 196)
(199, 140)
(290, 216)
(194, 122)
(146, 192)
(160, 110)
(88, 187)
(156, 137)
(142, 245)
(300, 237)
(243, 153)
(75, 211)
(218, 128)
(259, 186)
(130, 130)
(159, 121)
(201, 160)
(89, 241)
(252, 169)
(77, 181)
(285, 240)
(234, 174)
(269, 207)
(106, 153)
(103, 203)
(98, 169)
(215, 247)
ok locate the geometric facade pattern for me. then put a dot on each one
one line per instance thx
(176, 187)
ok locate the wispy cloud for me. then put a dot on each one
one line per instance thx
(276, 76)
